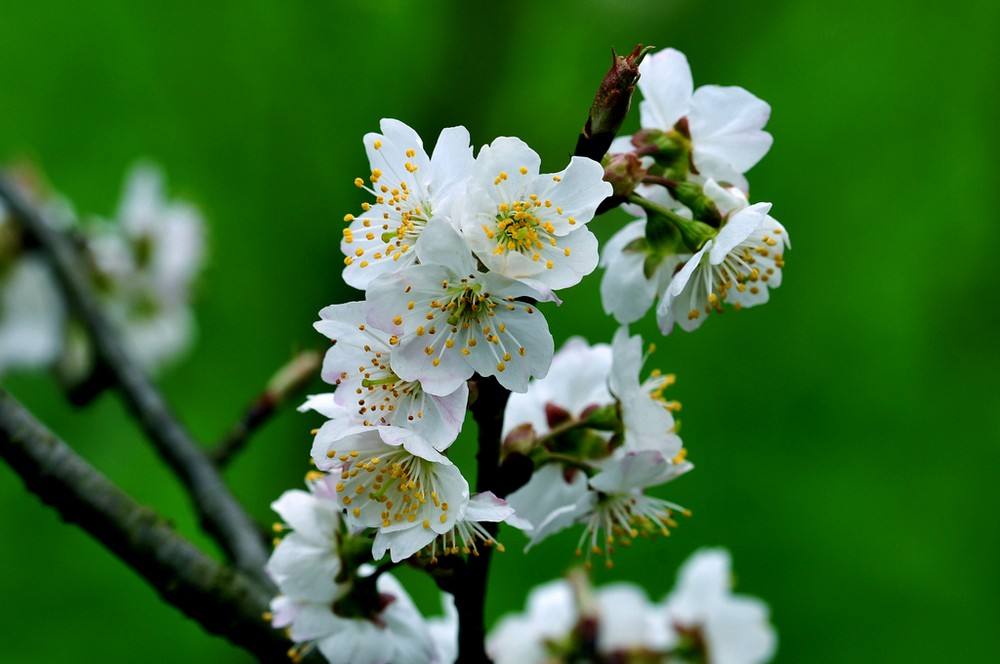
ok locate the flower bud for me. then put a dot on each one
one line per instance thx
(520, 439)
(624, 171)
(611, 104)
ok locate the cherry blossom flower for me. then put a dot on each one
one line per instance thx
(451, 321)
(733, 629)
(392, 480)
(410, 189)
(531, 226)
(736, 267)
(32, 315)
(635, 271)
(723, 124)
(146, 262)
(358, 364)
(524, 638)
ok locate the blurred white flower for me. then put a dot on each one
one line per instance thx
(724, 123)
(368, 390)
(567, 622)
(444, 631)
(32, 315)
(523, 638)
(736, 267)
(146, 262)
(410, 189)
(732, 629)
(452, 320)
(532, 226)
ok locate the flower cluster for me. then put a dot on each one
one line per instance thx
(459, 255)
(144, 262)
(597, 450)
(700, 620)
(699, 245)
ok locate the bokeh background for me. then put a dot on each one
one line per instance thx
(846, 435)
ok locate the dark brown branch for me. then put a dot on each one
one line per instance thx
(221, 515)
(222, 601)
(287, 382)
(470, 589)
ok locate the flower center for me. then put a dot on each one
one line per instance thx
(402, 488)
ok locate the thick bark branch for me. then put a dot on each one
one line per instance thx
(221, 515)
(224, 602)
(287, 382)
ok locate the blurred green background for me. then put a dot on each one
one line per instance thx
(846, 435)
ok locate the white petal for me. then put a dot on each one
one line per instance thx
(486, 506)
(635, 470)
(314, 518)
(666, 85)
(507, 154)
(737, 229)
(305, 570)
(727, 124)
(440, 244)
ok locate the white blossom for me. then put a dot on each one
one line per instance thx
(32, 315)
(735, 629)
(306, 562)
(646, 413)
(452, 320)
(725, 123)
(550, 614)
(358, 364)
(392, 480)
(566, 623)
(736, 267)
(410, 189)
(531, 226)
(146, 262)
(444, 631)
(619, 510)
(635, 273)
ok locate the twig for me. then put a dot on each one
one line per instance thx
(221, 515)
(470, 592)
(222, 601)
(285, 383)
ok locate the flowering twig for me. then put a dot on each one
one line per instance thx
(222, 601)
(221, 515)
(288, 380)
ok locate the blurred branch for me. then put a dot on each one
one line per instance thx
(221, 515)
(222, 601)
(288, 381)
